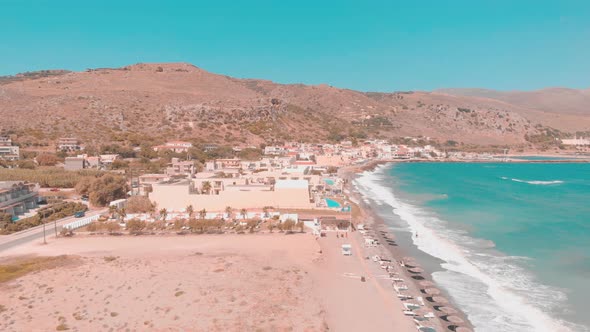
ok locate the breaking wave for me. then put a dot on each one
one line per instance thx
(495, 292)
(535, 182)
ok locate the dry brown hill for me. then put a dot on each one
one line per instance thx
(155, 102)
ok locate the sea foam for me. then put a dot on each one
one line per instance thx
(495, 293)
(535, 182)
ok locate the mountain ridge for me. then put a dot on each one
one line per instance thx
(159, 101)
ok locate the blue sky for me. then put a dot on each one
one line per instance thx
(363, 45)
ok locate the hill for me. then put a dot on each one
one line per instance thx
(157, 102)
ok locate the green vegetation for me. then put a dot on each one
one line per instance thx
(44, 215)
(18, 268)
(139, 204)
(250, 154)
(48, 176)
(104, 189)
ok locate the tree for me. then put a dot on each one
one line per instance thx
(265, 211)
(300, 225)
(83, 186)
(179, 224)
(107, 188)
(228, 211)
(122, 213)
(112, 227)
(139, 204)
(288, 225)
(163, 214)
(47, 159)
(244, 213)
(206, 187)
(190, 210)
(270, 225)
(135, 226)
(251, 225)
(112, 211)
(202, 214)
(26, 164)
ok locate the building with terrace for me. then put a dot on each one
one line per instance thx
(18, 197)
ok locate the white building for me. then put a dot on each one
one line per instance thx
(7, 150)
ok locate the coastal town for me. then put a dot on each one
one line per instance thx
(218, 193)
(292, 188)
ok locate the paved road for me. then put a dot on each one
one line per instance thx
(17, 239)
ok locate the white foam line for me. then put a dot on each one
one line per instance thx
(433, 244)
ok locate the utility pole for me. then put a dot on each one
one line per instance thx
(44, 239)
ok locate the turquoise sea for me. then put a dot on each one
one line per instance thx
(512, 239)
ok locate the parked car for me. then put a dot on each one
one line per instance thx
(54, 189)
(84, 197)
(79, 214)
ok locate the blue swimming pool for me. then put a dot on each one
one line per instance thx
(329, 182)
(332, 203)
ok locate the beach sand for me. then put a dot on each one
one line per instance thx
(250, 282)
(389, 249)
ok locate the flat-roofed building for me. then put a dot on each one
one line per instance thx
(7, 150)
(18, 197)
(176, 146)
(68, 144)
(180, 168)
(74, 163)
(219, 194)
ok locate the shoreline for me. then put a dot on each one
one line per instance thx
(387, 244)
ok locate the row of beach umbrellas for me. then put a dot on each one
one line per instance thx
(433, 295)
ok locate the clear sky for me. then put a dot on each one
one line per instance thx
(364, 45)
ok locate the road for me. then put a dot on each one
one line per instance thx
(28, 235)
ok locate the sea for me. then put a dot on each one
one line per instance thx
(509, 243)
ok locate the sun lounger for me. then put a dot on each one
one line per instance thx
(420, 300)
(411, 306)
(401, 287)
(404, 297)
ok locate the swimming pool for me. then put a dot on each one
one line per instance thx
(332, 203)
(329, 182)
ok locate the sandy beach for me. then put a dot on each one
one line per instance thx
(388, 249)
(251, 282)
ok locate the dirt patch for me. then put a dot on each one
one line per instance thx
(17, 267)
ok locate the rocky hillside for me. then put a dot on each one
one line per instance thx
(156, 102)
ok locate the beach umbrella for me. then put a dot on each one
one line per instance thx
(426, 283)
(431, 291)
(453, 319)
(439, 299)
(416, 270)
(418, 277)
(446, 310)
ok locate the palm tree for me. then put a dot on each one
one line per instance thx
(190, 210)
(122, 214)
(228, 211)
(244, 213)
(206, 187)
(163, 214)
(112, 210)
(202, 214)
(265, 211)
